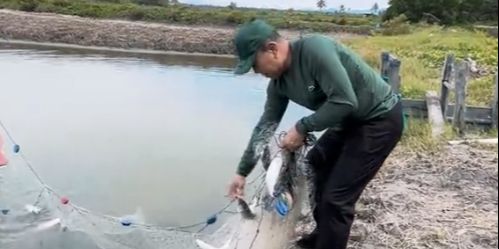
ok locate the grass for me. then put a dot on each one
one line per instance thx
(422, 53)
(418, 136)
(187, 14)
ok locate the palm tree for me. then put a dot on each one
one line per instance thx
(321, 4)
(375, 8)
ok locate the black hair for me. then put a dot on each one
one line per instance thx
(274, 37)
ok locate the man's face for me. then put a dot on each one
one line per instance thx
(269, 62)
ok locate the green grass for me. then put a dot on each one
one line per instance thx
(184, 14)
(423, 52)
(418, 136)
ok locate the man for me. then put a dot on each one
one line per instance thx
(361, 114)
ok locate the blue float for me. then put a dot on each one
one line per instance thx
(126, 222)
(211, 220)
(16, 148)
(282, 208)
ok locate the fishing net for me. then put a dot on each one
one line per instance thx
(62, 221)
(52, 221)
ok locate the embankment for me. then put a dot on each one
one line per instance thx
(56, 28)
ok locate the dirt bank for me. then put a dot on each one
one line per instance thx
(55, 28)
(439, 200)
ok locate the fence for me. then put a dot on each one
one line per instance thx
(436, 107)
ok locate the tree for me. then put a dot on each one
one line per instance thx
(232, 5)
(375, 8)
(447, 11)
(152, 2)
(321, 4)
(342, 8)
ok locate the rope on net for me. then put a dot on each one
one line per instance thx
(86, 214)
(212, 219)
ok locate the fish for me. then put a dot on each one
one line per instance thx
(47, 224)
(246, 211)
(269, 221)
(32, 209)
(204, 245)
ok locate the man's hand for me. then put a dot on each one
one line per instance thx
(236, 188)
(293, 140)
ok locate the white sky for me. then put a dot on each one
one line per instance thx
(296, 4)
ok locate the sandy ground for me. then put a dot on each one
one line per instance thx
(55, 28)
(447, 199)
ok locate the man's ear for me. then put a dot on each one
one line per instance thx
(272, 47)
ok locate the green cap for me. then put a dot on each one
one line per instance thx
(248, 40)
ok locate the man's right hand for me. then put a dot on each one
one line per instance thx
(236, 188)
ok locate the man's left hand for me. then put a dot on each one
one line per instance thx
(293, 140)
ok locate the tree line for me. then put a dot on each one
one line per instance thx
(446, 12)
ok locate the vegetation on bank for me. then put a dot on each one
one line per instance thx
(423, 52)
(448, 12)
(159, 11)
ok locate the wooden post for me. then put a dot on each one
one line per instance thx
(435, 115)
(494, 107)
(446, 83)
(395, 74)
(385, 62)
(390, 70)
(462, 76)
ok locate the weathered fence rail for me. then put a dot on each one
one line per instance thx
(494, 106)
(475, 115)
(436, 107)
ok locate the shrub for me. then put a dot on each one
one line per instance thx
(152, 2)
(137, 14)
(28, 5)
(397, 26)
(342, 21)
(235, 18)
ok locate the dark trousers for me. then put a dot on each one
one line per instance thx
(344, 163)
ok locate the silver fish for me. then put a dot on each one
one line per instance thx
(270, 221)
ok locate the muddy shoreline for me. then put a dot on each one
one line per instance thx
(118, 34)
(446, 199)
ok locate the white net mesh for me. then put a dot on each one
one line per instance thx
(51, 223)
(57, 224)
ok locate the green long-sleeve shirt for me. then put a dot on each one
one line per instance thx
(325, 77)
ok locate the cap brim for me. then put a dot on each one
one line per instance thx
(245, 65)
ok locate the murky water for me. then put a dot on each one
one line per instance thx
(117, 131)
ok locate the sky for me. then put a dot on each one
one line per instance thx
(295, 4)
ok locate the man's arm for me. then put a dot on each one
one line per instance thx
(333, 79)
(275, 107)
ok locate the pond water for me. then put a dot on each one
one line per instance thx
(120, 131)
